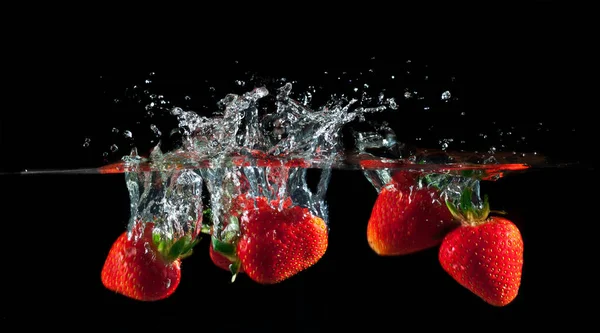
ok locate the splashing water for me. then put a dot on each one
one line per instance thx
(261, 145)
(245, 149)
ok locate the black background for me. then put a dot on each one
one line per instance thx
(520, 68)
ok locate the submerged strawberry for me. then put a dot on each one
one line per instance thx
(269, 242)
(144, 266)
(407, 218)
(485, 254)
(279, 243)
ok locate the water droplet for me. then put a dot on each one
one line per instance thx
(115, 130)
(176, 111)
(240, 83)
(426, 108)
(114, 148)
(407, 95)
(104, 154)
(187, 98)
(212, 89)
(393, 77)
(147, 81)
(86, 144)
(391, 102)
(446, 95)
(116, 101)
(127, 134)
(152, 73)
(155, 130)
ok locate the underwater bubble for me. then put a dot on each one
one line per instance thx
(391, 102)
(127, 134)
(115, 130)
(155, 130)
(114, 148)
(407, 95)
(446, 95)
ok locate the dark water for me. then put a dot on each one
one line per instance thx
(60, 227)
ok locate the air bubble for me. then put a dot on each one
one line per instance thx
(446, 95)
(114, 148)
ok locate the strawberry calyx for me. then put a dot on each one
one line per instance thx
(229, 251)
(226, 242)
(170, 249)
(468, 212)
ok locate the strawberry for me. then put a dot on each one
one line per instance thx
(270, 242)
(277, 243)
(407, 218)
(485, 254)
(219, 259)
(145, 266)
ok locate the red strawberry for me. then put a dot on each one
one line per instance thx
(219, 259)
(276, 244)
(407, 218)
(143, 266)
(485, 254)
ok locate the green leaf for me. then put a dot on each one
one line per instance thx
(453, 210)
(156, 238)
(466, 200)
(162, 246)
(226, 249)
(485, 210)
(177, 248)
(190, 245)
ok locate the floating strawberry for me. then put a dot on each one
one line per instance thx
(145, 266)
(485, 254)
(407, 218)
